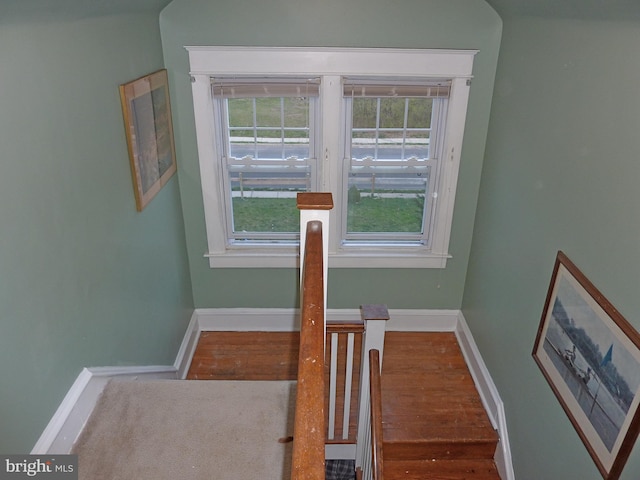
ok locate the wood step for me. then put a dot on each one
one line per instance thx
(441, 449)
(431, 408)
(441, 470)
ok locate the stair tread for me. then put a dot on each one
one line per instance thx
(474, 469)
(440, 401)
(431, 408)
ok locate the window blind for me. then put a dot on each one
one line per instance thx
(265, 87)
(353, 87)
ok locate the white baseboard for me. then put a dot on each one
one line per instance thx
(247, 319)
(288, 319)
(68, 421)
(489, 395)
(188, 347)
(76, 407)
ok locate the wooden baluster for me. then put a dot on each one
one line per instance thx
(375, 387)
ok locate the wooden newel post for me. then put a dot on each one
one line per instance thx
(316, 206)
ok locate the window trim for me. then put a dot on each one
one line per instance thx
(332, 64)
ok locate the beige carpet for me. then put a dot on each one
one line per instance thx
(184, 430)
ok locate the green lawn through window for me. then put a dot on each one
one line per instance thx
(394, 214)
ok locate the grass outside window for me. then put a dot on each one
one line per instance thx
(370, 214)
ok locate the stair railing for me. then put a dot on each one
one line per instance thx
(311, 425)
(343, 364)
(348, 342)
(309, 428)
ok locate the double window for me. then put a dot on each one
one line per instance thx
(378, 130)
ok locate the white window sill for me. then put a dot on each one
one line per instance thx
(287, 257)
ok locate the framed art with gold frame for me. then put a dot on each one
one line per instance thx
(147, 118)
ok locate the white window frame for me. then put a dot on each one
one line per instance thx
(331, 65)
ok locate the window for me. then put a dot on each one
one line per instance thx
(379, 128)
(267, 154)
(391, 159)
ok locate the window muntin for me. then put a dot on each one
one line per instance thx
(267, 155)
(391, 160)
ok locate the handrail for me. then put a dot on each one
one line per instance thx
(309, 428)
(375, 386)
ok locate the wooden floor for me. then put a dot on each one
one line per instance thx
(432, 415)
(245, 356)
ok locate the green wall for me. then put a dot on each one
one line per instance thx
(561, 172)
(85, 280)
(464, 24)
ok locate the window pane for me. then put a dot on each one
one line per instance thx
(241, 116)
(268, 112)
(364, 112)
(391, 145)
(297, 144)
(419, 112)
(392, 112)
(417, 145)
(391, 128)
(381, 202)
(266, 202)
(363, 144)
(268, 128)
(296, 112)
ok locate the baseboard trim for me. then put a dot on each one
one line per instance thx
(66, 424)
(188, 347)
(288, 319)
(489, 395)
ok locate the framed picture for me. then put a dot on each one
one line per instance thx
(590, 355)
(147, 120)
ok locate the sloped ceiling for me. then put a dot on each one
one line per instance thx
(74, 9)
(12, 10)
(615, 10)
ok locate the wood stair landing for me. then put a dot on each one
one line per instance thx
(434, 423)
